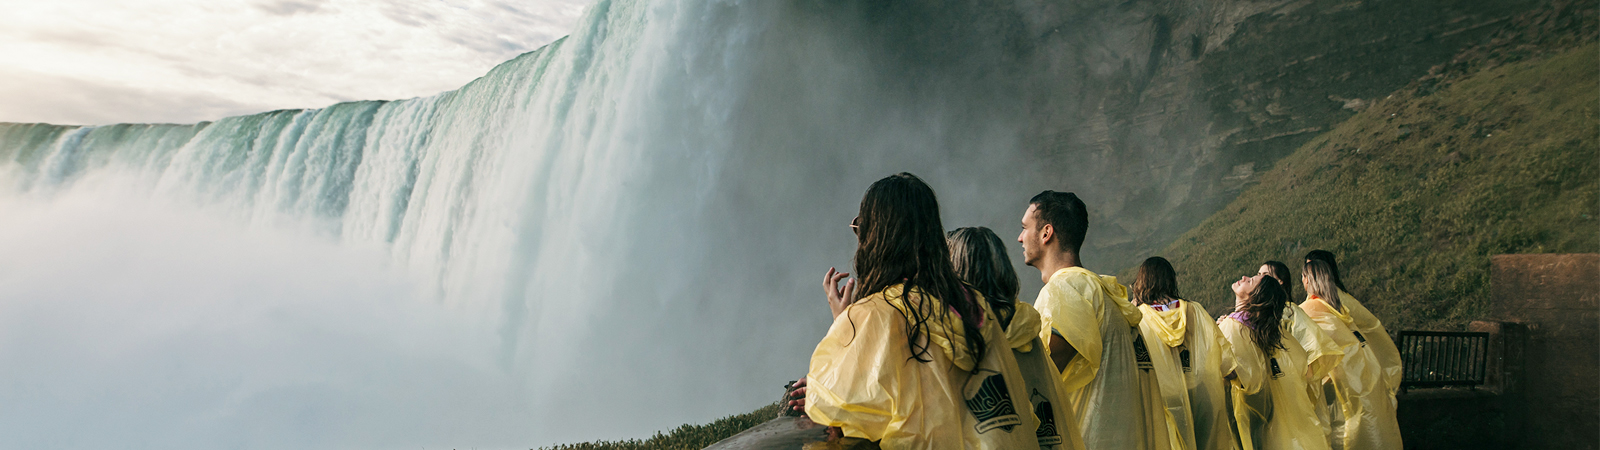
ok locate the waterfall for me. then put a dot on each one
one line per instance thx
(618, 233)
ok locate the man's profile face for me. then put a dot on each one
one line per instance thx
(1031, 238)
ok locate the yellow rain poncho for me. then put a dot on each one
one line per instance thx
(1322, 355)
(1378, 340)
(1270, 403)
(864, 380)
(1158, 433)
(1186, 356)
(1362, 392)
(1058, 429)
(1091, 312)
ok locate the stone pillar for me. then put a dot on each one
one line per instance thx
(1557, 298)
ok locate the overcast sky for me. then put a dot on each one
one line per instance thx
(181, 61)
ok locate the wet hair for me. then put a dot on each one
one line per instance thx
(1327, 256)
(1065, 214)
(902, 241)
(1263, 311)
(1156, 282)
(1280, 271)
(980, 260)
(1320, 282)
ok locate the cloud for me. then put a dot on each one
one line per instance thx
(290, 7)
(35, 97)
(252, 55)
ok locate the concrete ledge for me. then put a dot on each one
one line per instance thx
(1432, 394)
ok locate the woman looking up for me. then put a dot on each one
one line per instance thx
(913, 360)
(1364, 400)
(980, 259)
(1186, 357)
(1270, 402)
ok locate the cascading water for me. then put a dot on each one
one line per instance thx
(621, 232)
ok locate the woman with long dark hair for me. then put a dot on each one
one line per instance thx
(914, 359)
(980, 259)
(1365, 403)
(1185, 353)
(1270, 401)
(1322, 354)
(1278, 271)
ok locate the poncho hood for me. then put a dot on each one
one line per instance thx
(1170, 325)
(1025, 326)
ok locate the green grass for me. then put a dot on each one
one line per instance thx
(687, 437)
(1415, 193)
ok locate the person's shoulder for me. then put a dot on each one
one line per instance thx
(1313, 306)
(1231, 327)
(1352, 305)
(1346, 297)
(872, 315)
(1227, 318)
(871, 305)
(1075, 279)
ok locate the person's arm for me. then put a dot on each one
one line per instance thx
(1061, 352)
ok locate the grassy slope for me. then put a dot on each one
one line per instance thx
(686, 437)
(1415, 193)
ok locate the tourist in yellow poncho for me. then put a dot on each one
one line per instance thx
(1271, 406)
(979, 258)
(1364, 322)
(1321, 352)
(1185, 352)
(1089, 326)
(1366, 403)
(918, 362)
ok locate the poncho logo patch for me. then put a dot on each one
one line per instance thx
(1359, 337)
(1276, 372)
(1183, 356)
(1140, 352)
(992, 405)
(1047, 433)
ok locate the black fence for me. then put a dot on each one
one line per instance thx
(1443, 358)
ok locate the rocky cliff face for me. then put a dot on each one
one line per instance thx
(1160, 112)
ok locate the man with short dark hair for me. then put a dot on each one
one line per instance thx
(1089, 324)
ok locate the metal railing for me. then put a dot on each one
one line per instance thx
(1443, 358)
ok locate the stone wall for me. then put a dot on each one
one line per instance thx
(1557, 297)
(1543, 370)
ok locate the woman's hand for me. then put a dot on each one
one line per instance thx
(838, 297)
(799, 393)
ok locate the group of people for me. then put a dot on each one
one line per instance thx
(930, 348)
